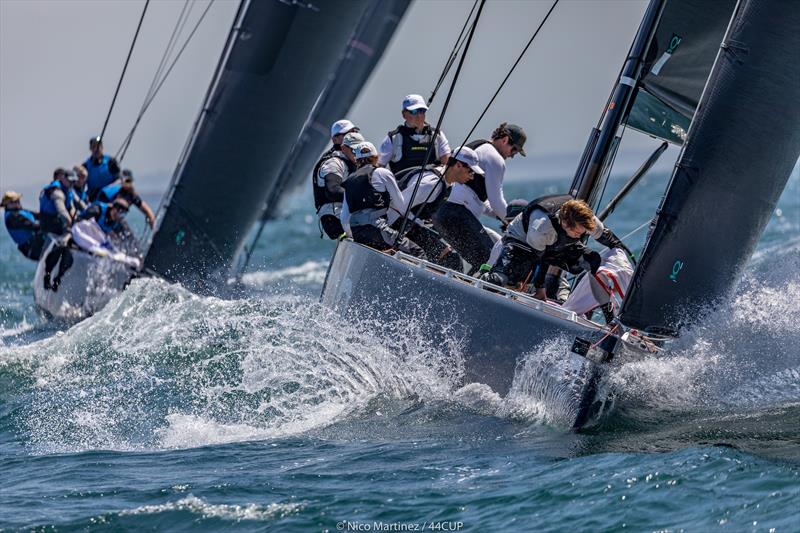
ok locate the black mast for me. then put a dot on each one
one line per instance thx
(601, 141)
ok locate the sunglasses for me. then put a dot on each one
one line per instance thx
(416, 112)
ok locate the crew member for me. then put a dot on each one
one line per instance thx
(434, 186)
(458, 220)
(56, 212)
(549, 232)
(349, 142)
(328, 175)
(23, 226)
(108, 216)
(369, 192)
(406, 145)
(97, 231)
(125, 189)
(102, 169)
(79, 187)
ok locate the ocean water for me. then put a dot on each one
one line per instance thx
(172, 411)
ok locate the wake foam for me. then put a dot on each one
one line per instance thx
(161, 367)
(744, 353)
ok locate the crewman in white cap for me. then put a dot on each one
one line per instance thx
(407, 144)
(329, 173)
(434, 185)
(370, 191)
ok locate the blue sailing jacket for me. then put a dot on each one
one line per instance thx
(99, 174)
(46, 204)
(20, 235)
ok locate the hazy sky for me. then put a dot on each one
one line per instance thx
(60, 61)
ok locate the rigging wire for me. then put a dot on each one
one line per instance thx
(471, 131)
(173, 40)
(163, 79)
(453, 54)
(436, 132)
(124, 69)
(514, 66)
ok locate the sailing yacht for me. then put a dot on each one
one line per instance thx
(721, 80)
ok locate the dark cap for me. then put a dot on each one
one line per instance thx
(61, 171)
(95, 140)
(127, 176)
(517, 137)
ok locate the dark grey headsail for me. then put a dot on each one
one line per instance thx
(272, 71)
(679, 60)
(741, 148)
(366, 47)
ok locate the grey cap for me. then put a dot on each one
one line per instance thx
(352, 139)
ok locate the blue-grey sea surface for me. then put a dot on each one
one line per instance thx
(172, 411)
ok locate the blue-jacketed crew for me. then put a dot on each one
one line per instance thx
(329, 173)
(406, 145)
(102, 170)
(23, 226)
(57, 208)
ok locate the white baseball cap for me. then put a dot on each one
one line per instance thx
(364, 150)
(414, 101)
(352, 139)
(342, 126)
(467, 155)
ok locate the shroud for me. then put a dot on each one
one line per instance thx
(272, 70)
(740, 150)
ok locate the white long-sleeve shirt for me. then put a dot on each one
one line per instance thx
(494, 167)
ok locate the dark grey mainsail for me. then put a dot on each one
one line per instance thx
(741, 148)
(366, 47)
(273, 69)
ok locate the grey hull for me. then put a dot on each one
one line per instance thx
(86, 287)
(495, 330)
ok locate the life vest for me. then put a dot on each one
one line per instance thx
(20, 235)
(103, 219)
(414, 146)
(322, 195)
(478, 181)
(99, 175)
(46, 204)
(566, 251)
(361, 195)
(48, 214)
(109, 192)
(82, 195)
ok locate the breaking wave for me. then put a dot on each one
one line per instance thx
(161, 367)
